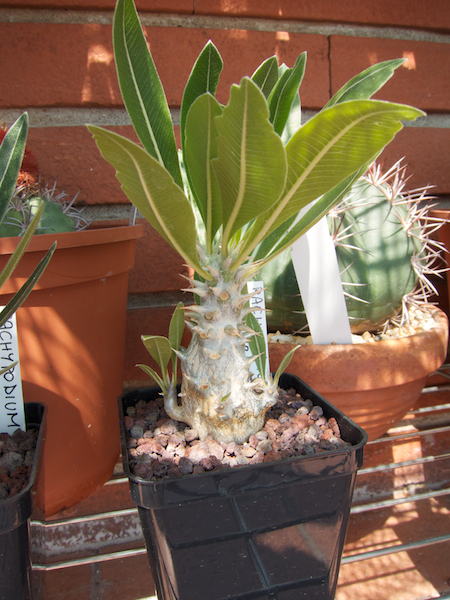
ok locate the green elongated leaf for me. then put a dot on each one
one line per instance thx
(154, 193)
(176, 329)
(141, 89)
(20, 297)
(251, 163)
(200, 150)
(21, 248)
(266, 75)
(204, 78)
(160, 350)
(294, 120)
(284, 365)
(257, 344)
(154, 375)
(282, 238)
(10, 368)
(284, 92)
(328, 148)
(367, 83)
(11, 155)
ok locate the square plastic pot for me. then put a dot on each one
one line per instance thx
(15, 563)
(273, 530)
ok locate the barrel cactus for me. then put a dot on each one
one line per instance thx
(58, 216)
(58, 213)
(385, 250)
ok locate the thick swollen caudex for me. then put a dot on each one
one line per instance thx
(218, 396)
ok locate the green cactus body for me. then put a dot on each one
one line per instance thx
(13, 223)
(53, 220)
(375, 247)
(57, 216)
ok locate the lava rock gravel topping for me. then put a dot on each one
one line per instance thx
(160, 447)
(16, 461)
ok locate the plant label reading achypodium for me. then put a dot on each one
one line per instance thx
(12, 414)
(259, 303)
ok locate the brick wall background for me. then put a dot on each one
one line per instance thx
(56, 62)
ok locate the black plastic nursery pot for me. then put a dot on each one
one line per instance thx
(15, 562)
(272, 530)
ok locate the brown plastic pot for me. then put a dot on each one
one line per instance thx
(374, 384)
(71, 333)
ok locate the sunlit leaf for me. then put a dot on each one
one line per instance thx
(251, 163)
(200, 150)
(11, 153)
(141, 89)
(154, 193)
(266, 75)
(367, 83)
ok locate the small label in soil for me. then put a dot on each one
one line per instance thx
(259, 303)
(12, 414)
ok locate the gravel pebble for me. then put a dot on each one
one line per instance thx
(16, 459)
(166, 448)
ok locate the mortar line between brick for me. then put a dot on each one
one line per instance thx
(71, 17)
(111, 117)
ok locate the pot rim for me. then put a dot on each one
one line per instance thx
(86, 237)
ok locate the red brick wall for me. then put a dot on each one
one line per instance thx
(56, 62)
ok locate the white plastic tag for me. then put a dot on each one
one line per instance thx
(316, 266)
(259, 302)
(12, 414)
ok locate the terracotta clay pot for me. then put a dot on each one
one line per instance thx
(375, 384)
(71, 333)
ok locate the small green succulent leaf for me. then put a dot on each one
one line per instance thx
(200, 150)
(141, 89)
(12, 149)
(367, 83)
(152, 190)
(257, 344)
(266, 75)
(160, 350)
(204, 78)
(26, 288)
(251, 163)
(284, 365)
(154, 375)
(176, 329)
(284, 92)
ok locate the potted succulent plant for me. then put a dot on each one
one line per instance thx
(385, 238)
(20, 448)
(71, 332)
(236, 186)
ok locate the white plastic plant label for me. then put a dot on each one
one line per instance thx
(319, 280)
(12, 414)
(259, 303)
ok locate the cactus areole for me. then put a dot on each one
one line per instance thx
(230, 204)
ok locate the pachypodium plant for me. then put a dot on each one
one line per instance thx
(236, 207)
(386, 247)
